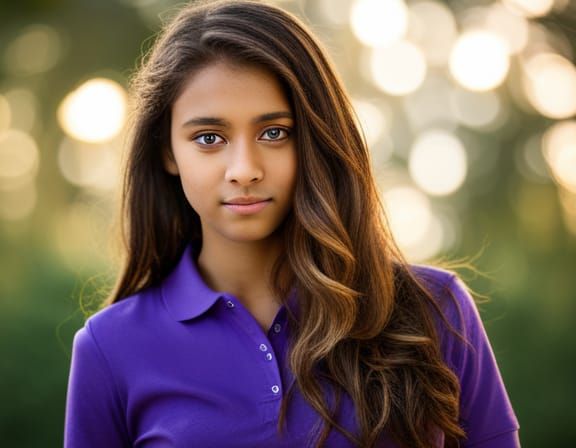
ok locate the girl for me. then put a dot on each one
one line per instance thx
(263, 302)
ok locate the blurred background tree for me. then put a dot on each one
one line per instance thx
(468, 107)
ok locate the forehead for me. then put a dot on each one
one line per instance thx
(222, 86)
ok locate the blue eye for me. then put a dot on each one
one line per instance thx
(209, 139)
(276, 133)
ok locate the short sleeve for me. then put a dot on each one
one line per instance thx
(486, 413)
(94, 415)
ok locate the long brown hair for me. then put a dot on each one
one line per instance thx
(366, 324)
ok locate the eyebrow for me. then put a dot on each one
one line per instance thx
(214, 121)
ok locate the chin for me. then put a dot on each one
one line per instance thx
(246, 235)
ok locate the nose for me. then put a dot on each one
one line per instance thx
(244, 164)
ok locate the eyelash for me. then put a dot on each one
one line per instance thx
(287, 131)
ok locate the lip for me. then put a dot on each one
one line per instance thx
(246, 200)
(248, 209)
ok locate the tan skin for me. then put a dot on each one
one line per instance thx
(242, 155)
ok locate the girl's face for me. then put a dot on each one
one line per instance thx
(231, 137)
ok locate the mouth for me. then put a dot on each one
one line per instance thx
(247, 201)
(247, 209)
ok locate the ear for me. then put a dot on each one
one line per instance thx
(169, 162)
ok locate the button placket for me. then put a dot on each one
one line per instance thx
(244, 322)
(264, 348)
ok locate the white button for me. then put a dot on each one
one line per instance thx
(230, 304)
(277, 328)
(269, 356)
(275, 389)
(263, 347)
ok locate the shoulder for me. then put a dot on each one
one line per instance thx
(127, 312)
(434, 277)
(486, 413)
(460, 328)
(124, 324)
(451, 294)
(437, 280)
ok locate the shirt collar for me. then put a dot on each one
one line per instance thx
(186, 294)
(184, 291)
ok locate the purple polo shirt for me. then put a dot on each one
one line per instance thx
(181, 365)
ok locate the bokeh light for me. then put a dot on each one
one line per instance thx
(479, 110)
(432, 27)
(530, 8)
(559, 146)
(19, 159)
(89, 165)
(78, 230)
(5, 113)
(376, 23)
(398, 69)
(568, 203)
(372, 120)
(94, 112)
(550, 84)
(24, 108)
(409, 214)
(514, 29)
(36, 49)
(420, 231)
(542, 39)
(450, 220)
(431, 243)
(438, 162)
(19, 202)
(381, 152)
(530, 159)
(336, 12)
(479, 60)
(421, 107)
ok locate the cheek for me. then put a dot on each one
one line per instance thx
(197, 187)
(290, 171)
(193, 197)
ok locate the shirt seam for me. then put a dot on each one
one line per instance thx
(115, 387)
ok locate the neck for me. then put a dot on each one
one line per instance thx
(240, 268)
